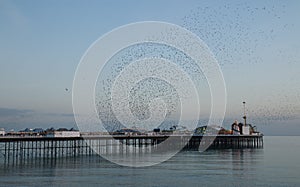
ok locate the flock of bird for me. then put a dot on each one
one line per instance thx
(236, 33)
(233, 35)
(146, 90)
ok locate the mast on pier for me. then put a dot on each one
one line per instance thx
(245, 117)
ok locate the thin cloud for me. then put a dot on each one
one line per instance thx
(9, 112)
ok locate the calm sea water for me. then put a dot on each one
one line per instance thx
(277, 164)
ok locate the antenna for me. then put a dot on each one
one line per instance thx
(244, 103)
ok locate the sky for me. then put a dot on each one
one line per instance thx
(256, 43)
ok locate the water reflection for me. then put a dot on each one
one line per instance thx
(186, 168)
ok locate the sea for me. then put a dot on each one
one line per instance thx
(276, 164)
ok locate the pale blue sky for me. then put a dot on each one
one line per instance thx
(257, 44)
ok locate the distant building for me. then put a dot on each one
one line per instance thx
(126, 131)
(242, 129)
(246, 130)
(38, 130)
(63, 133)
(30, 132)
(209, 130)
(2, 132)
(235, 128)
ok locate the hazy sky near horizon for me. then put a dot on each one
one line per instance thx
(256, 43)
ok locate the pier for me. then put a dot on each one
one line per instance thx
(54, 147)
